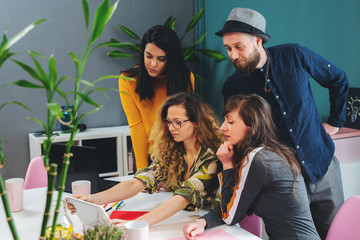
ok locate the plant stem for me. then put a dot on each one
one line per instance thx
(7, 209)
(61, 187)
(51, 184)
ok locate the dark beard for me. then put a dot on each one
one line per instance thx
(253, 61)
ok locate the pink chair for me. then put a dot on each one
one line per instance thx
(252, 224)
(346, 224)
(36, 174)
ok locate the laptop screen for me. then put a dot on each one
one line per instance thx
(83, 165)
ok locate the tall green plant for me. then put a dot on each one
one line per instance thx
(51, 84)
(5, 54)
(132, 50)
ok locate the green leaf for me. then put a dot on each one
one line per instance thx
(4, 85)
(129, 32)
(35, 54)
(188, 52)
(62, 79)
(100, 20)
(61, 93)
(200, 39)
(28, 69)
(85, 6)
(127, 78)
(27, 84)
(17, 103)
(37, 121)
(87, 83)
(213, 54)
(75, 58)
(197, 76)
(55, 110)
(88, 100)
(106, 77)
(193, 22)
(52, 72)
(114, 40)
(120, 55)
(170, 22)
(39, 69)
(23, 32)
(125, 45)
(3, 43)
(112, 10)
(88, 113)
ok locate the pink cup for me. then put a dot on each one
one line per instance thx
(15, 191)
(81, 187)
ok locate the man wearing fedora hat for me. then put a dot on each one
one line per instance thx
(280, 74)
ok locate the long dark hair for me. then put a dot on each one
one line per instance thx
(178, 75)
(256, 113)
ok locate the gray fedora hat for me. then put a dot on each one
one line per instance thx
(247, 21)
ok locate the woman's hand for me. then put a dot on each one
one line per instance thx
(118, 222)
(86, 197)
(192, 230)
(226, 153)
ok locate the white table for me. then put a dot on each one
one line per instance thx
(28, 221)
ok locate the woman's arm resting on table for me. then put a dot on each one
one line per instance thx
(121, 191)
(165, 210)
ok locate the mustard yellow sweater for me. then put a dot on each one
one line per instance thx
(141, 115)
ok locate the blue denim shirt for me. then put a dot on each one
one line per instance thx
(293, 107)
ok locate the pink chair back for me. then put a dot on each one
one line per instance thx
(252, 224)
(36, 174)
(346, 224)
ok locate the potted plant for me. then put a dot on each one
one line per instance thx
(5, 54)
(50, 82)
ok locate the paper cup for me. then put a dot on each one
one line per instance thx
(15, 191)
(81, 187)
(137, 230)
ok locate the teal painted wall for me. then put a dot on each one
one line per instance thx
(329, 27)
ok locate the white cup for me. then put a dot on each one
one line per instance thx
(137, 230)
(15, 191)
(81, 187)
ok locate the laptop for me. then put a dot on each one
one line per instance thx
(83, 165)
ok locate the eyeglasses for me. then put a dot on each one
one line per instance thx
(176, 123)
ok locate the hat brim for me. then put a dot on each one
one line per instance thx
(236, 26)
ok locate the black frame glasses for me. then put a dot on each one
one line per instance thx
(175, 123)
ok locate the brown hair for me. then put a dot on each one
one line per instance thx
(256, 113)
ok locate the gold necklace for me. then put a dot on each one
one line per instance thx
(266, 88)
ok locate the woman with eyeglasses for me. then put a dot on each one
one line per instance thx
(184, 140)
(161, 72)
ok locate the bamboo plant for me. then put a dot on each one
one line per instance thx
(5, 54)
(132, 50)
(80, 94)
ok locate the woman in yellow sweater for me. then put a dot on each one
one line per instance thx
(160, 73)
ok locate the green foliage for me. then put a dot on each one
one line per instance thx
(189, 53)
(6, 44)
(50, 82)
(5, 54)
(103, 231)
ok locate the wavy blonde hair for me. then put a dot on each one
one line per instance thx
(168, 154)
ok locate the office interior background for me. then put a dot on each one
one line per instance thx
(328, 27)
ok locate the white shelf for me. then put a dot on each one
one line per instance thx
(120, 133)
